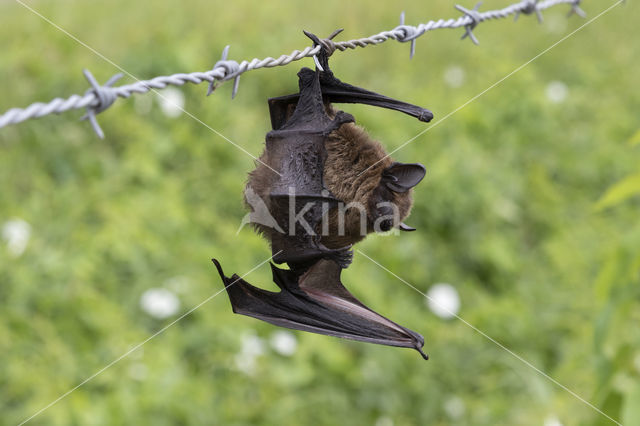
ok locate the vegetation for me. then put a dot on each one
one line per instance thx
(530, 210)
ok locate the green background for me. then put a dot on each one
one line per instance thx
(530, 210)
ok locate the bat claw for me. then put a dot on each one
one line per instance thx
(218, 267)
(340, 119)
(424, 355)
(342, 256)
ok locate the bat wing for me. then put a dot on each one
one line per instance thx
(316, 301)
(298, 197)
(312, 297)
(336, 92)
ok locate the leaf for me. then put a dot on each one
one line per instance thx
(635, 139)
(620, 192)
(631, 407)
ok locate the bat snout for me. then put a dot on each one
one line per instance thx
(386, 225)
(386, 216)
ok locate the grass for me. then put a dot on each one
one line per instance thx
(529, 209)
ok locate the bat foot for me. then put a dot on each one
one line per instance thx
(342, 256)
(340, 119)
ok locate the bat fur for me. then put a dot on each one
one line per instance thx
(350, 152)
(346, 186)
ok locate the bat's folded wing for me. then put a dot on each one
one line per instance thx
(316, 301)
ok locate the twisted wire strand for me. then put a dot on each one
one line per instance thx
(99, 98)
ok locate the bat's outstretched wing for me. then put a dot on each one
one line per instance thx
(316, 301)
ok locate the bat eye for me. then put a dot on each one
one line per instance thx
(386, 225)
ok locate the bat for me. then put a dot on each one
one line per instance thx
(321, 185)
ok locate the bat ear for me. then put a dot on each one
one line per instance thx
(401, 177)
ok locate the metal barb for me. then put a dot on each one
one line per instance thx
(326, 44)
(105, 96)
(231, 67)
(576, 9)
(410, 35)
(475, 17)
(529, 7)
(227, 69)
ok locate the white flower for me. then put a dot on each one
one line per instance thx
(454, 76)
(454, 407)
(555, 23)
(443, 300)
(251, 348)
(171, 102)
(138, 371)
(636, 362)
(252, 344)
(16, 234)
(284, 342)
(142, 104)
(159, 303)
(384, 421)
(179, 284)
(552, 421)
(245, 363)
(557, 91)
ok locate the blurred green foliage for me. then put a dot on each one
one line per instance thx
(530, 209)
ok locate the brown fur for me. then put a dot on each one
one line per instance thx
(350, 151)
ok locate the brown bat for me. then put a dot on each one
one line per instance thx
(333, 186)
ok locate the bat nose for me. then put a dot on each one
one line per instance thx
(386, 225)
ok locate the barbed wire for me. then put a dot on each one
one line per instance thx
(100, 97)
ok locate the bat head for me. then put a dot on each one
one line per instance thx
(391, 201)
(376, 190)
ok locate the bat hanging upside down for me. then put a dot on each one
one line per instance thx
(333, 186)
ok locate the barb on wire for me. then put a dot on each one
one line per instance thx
(475, 18)
(100, 97)
(532, 7)
(105, 97)
(325, 43)
(231, 68)
(575, 8)
(410, 35)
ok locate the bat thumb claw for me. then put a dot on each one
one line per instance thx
(219, 268)
(425, 356)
